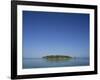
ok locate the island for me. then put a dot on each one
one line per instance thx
(57, 57)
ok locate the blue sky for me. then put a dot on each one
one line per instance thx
(51, 33)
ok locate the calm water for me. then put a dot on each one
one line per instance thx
(43, 63)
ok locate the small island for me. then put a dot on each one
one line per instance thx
(57, 57)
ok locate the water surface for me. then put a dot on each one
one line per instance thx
(43, 63)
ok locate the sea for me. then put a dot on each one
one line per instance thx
(44, 63)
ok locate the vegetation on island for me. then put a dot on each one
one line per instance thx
(57, 57)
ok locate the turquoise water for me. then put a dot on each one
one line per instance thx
(43, 63)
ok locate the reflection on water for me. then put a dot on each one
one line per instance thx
(44, 63)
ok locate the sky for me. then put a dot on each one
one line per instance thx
(52, 33)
